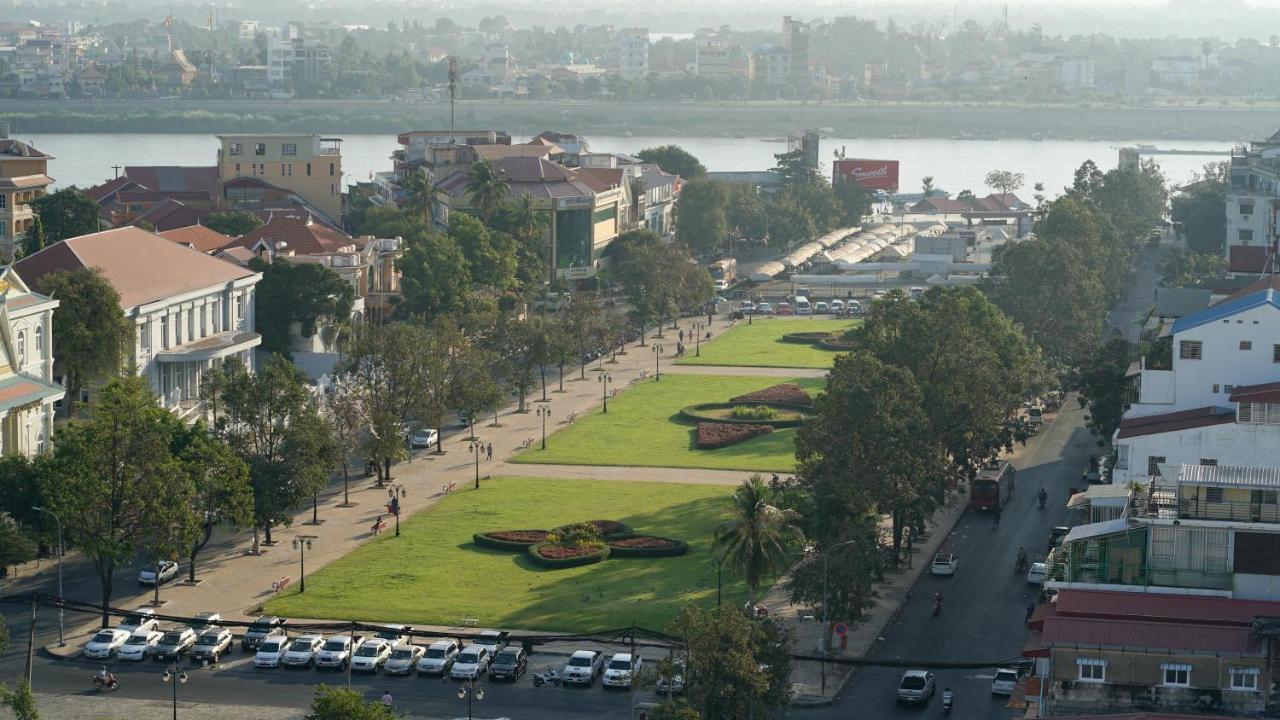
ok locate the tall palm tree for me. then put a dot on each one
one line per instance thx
(754, 542)
(418, 196)
(486, 188)
(527, 225)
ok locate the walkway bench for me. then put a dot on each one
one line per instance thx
(470, 622)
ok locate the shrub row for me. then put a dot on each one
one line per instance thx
(783, 393)
(562, 556)
(712, 435)
(697, 413)
(515, 540)
(836, 345)
(805, 338)
(646, 546)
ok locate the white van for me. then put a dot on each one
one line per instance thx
(802, 306)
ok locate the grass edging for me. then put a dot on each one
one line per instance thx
(484, 541)
(556, 563)
(679, 547)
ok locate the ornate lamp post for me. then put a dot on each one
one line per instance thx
(605, 379)
(544, 412)
(470, 689)
(657, 367)
(396, 491)
(477, 449)
(302, 543)
(175, 674)
(697, 338)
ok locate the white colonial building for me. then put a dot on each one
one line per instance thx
(27, 390)
(1217, 400)
(190, 310)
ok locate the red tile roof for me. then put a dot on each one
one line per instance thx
(198, 237)
(170, 214)
(601, 179)
(1102, 604)
(172, 178)
(301, 235)
(1096, 632)
(1246, 258)
(1264, 393)
(1173, 422)
(98, 193)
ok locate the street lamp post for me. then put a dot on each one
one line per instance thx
(657, 367)
(61, 639)
(605, 379)
(175, 674)
(477, 449)
(302, 543)
(544, 412)
(469, 690)
(395, 492)
(826, 626)
(697, 338)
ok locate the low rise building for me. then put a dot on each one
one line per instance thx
(633, 53)
(23, 179)
(27, 389)
(307, 164)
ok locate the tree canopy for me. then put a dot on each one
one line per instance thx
(92, 338)
(232, 222)
(66, 213)
(313, 296)
(675, 160)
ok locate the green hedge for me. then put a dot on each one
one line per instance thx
(537, 559)
(625, 528)
(692, 413)
(805, 338)
(838, 346)
(483, 540)
(680, 548)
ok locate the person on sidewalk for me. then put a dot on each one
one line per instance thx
(488, 452)
(387, 700)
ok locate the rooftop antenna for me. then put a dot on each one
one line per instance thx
(453, 93)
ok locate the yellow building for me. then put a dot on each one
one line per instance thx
(309, 165)
(23, 178)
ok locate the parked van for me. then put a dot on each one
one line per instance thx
(802, 306)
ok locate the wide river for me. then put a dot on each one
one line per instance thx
(87, 159)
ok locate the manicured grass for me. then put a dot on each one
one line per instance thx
(760, 344)
(643, 428)
(434, 574)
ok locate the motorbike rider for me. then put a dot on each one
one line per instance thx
(105, 676)
(1022, 559)
(1043, 497)
(948, 697)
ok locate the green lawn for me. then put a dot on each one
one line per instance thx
(760, 344)
(434, 574)
(643, 428)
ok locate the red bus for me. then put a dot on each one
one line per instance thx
(992, 487)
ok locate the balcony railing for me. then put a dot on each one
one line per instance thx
(1238, 511)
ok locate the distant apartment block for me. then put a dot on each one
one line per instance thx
(309, 165)
(711, 54)
(1077, 72)
(633, 53)
(23, 179)
(294, 59)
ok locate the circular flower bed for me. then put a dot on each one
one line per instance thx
(837, 345)
(511, 539)
(787, 414)
(641, 546)
(557, 555)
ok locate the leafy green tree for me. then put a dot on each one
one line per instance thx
(735, 667)
(34, 240)
(113, 479)
(1180, 268)
(926, 185)
(1104, 388)
(582, 322)
(477, 392)
(791, 166)
(1203, 216)
(755, 542)
(490, 254)
(434, 276)
(221, 492)
(449, 356)
(419, 194)
(527, 225)
(700, 216)
(519, 347)
(21, 702)
(675, 160)
(313, 296)
(91, 336)
(1005, 181)
(487, 188)
(336, 703)
(232, 222)
(819, 202)
(855, 203)
(16, 545)
(272, 423)
(66, 213)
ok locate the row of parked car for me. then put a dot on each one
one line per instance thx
(389, 649)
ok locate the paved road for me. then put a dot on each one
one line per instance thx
(1132, 308)
(985, 602)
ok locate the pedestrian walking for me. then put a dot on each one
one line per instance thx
(488, 452)
(387, 700)
(681, 336)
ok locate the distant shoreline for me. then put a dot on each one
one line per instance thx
(960, 121)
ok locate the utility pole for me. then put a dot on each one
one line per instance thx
(453, 94)
(631, 691)
(31, 638)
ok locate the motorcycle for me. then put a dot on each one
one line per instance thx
(1043, 497)
(108, 683)
(947, 701)
(937, 604)
(1020, 565)
(549, 677)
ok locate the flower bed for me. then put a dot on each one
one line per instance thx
(642, 546)
(557, 555)
(805, 338)
(753, 412)
(785, 415)
(517, 540)
(607, 528)
(789, 393)
(712, 435)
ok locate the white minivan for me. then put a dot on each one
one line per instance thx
(802, 306)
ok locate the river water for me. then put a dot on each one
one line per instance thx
(87, 159)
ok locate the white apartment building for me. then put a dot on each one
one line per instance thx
(1077, 72)
(190, 310)
(633, 53)
(1177, 70)
(1253, 193)
(1218, 399)
(27, 389)
(294, 59)
(711, 52)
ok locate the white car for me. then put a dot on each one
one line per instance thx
(671, 683)
(168, 571)
(336, 652)
(621, 669)
(140, 619)
(493, 641)
(139, 644)
(403, 659)
(944, 564)
(1004, 681)
(302, 651)
(471, 663)
(205, 620)
(105, 643)
(439, 657)
(395, 635)
(371, 655)
(425, 437)
(271, 650)
(583, 667)
(1038, 573)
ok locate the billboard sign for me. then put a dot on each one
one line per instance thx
(870, 174)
